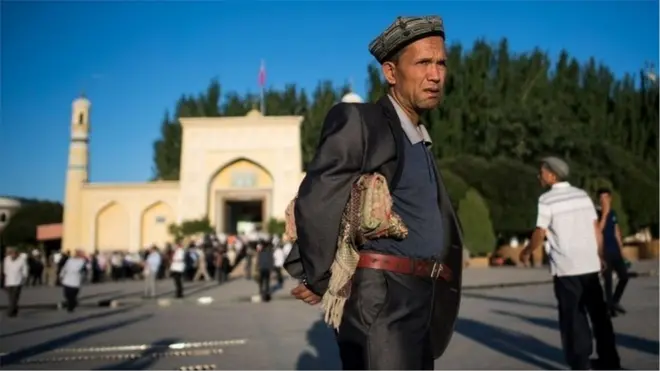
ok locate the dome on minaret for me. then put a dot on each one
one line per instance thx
(82, 101)
(352, 98)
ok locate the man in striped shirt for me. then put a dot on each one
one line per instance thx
(567, 217)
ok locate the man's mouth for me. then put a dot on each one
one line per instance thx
(432, 91)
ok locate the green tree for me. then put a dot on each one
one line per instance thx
(190, 228)
(22, 227)
(502, 112)
(455, 185)
(275, 226)
(477, 227)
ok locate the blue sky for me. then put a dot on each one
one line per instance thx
(134, 59)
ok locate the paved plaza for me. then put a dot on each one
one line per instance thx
(499, 328)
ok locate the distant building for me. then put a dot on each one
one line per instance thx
(8, 207)
(233, 170)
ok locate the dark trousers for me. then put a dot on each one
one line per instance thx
(13, 294)
(386, 322)
(264, 284)
(223, 270)
(279, 276)
(70, 297)
(36, 277)
(577, 297)
(615, 264)
(178, 284)
(117, 273)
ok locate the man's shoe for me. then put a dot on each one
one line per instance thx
(598, 364)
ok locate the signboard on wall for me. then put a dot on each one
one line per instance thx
(243, 179)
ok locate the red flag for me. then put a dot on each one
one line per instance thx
(262, 75)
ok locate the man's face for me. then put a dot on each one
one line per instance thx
(546, 177)
(605, 199)
(419, 74)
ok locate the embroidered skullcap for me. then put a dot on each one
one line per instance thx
(404, 31)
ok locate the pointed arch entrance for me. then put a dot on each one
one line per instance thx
(240, 196)
(112, 228)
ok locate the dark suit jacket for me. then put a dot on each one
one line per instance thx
(357, 139)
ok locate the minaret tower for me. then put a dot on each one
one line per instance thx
(76, 173)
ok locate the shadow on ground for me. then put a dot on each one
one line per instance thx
(511, 343)
(50, 345)
(623, 340)
(74, 320)
(502, 299)
(324, 354)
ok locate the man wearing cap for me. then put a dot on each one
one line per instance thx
(567, 217)
(405, 294)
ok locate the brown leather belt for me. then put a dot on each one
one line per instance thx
(399, 264)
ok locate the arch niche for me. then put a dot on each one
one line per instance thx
(154, 224)
(240, 182)
(112, 228)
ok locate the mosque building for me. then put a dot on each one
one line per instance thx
(237, 171)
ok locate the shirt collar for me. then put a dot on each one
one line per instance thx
(561, 185)
(415, 133)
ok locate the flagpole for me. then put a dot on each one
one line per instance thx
(263, 102)
(262, 83)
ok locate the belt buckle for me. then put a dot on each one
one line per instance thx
(436, 269)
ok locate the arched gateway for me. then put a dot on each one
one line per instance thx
(240, 196)
(237, 171)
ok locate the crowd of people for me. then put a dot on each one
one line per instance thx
(207, 258)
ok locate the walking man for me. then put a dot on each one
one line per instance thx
(177, 268)
(567, 217)
(15, 270)
(71, 277)
(265, 264)
(202, 272)
(613, 252)
(151, 269)
(405, 294)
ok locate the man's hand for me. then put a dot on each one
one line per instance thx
(301, 292)
(603, 265)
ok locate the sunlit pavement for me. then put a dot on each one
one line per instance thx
(514, 328)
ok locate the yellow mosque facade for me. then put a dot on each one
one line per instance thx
(232, 169)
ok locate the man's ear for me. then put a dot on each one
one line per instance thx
(389, 71)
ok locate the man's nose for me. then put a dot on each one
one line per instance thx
(434, 75)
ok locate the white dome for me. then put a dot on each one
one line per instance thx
(9, 203)
(352, 98)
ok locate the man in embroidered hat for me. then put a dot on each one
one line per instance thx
(403, 297)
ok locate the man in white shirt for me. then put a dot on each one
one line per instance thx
(177, 268)
(150, 272)
(567, 217)
(15, 270)
(71, 277)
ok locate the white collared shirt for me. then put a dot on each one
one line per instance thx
(72, 272)
(15, 271)
(567, 214)
(178, 260)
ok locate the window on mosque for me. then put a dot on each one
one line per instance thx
(81, 118)
(160, 219)
(3, 217)
(243, 179)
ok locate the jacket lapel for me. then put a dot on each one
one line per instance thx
(393, 169)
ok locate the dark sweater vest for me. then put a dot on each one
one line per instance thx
(415, 199)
